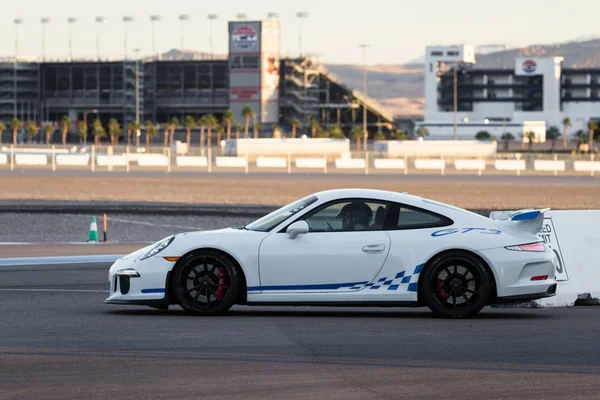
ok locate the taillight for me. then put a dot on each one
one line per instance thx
(539, 246)
(539, 278)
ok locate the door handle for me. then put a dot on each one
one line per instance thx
(373, 248)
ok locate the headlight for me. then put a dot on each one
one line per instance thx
(160, 246)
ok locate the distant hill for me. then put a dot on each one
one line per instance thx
(400, 88)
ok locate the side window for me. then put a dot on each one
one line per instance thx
(348, 215)
(414, 218)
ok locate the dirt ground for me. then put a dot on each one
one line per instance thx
(560, 193)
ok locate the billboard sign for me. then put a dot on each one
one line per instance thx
(244, 37)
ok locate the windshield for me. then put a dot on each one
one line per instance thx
(273, 219)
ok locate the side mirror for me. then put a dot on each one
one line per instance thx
(297, 228)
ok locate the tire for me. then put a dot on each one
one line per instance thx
(205, 282)
(455, 284)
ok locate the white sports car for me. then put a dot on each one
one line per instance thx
(349, 247)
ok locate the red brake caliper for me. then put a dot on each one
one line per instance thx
(222, 280)
(441, 292)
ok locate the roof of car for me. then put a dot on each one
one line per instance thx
(367, 193)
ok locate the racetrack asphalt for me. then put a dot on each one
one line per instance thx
(59, 341)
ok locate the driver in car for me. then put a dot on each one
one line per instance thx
(356, 216)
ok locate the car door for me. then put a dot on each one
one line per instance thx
(334, 255)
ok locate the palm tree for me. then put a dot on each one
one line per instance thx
(507, 137)
(247, 113)
(16, 124)
(295, 125)
(150, 133)
(257, 128)
(202, 121)
(189, 123)
(173, 124)
(228, 119)
(2, 129)
(32, 130)
(81, 131)
(211, 123)
(114, 130)
(49, 130)
(552, 134)
(379, 136)
(422, 132)
(99, 132)
(275, 128)
(321, 133)
(483, 136)
(336, 132)
(399, 134)
(166, 133)
(593, 126)
(238, 128)
(130, 128)
(566, 125)
(357, 133)
(314, 126)
(529, 136)
(65, 122)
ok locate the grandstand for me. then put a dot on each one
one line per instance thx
(176, 84)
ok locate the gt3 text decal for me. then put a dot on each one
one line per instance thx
(485, 231)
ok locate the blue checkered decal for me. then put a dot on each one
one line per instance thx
(401, 282)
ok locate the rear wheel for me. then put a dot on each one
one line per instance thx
(455, 285)
(205, 283)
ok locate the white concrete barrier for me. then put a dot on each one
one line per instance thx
(275, 146)
(463, 148)
(232, 162)
(72, 159)
(434, 163)
(115, 160)
(31, 159)
(549, 165)
(271, 162)
(510, 165)
(310, 163)
(182, 161)
(469, 164)
(574, 236)
(43, 150)
(350, 163)
(3, 159)
(586, 166)
(389, 163)
(152, 160)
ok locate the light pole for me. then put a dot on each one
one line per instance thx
(99, 21)
(154, 19)
(241, 16)
(85, 114)
(455, 99)
(211, 18)
(301, 15)
(126, 20)
(17, 21)
(44, 21)
(272, 15)
(364, 48)
(71, 21)
(183, 18)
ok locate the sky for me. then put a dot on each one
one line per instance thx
(396, 31)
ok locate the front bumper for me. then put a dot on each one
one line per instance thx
(137, 282)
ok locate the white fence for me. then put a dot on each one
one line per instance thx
(344, 162)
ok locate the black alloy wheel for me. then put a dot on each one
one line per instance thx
(455, 285)
(205, 283)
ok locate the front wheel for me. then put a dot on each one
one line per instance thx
(205, 283)
(455, 285)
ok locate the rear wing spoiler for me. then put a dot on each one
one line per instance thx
(528, 220)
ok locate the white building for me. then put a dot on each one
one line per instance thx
(536, 94)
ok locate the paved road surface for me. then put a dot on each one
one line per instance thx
(59, 341)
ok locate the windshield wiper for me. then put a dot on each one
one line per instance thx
(241, 228)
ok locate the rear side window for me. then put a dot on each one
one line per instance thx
(406, 217)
